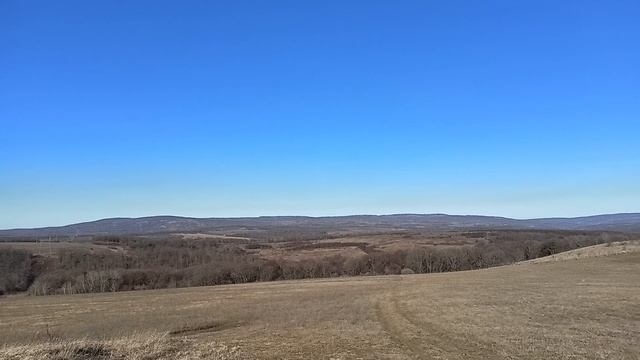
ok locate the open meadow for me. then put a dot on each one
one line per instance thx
(585, 307)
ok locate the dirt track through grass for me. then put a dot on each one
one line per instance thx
(401, 326)
(588, 308)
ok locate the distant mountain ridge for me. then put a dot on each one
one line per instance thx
(626, 222)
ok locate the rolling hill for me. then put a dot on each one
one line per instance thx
(627, 222)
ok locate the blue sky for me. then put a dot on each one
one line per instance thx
(243, 108)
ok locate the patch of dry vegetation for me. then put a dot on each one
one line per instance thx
(138, 347)
(612, 248)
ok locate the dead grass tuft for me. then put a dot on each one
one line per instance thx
(208, 327)
(139, 347)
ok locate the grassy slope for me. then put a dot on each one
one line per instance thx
(586, 308)
(622, 247)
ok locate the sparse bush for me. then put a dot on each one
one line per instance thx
(392, 269)
(548, 248)
(15, 270)
(51, 283)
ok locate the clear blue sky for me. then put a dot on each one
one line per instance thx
(242, 108)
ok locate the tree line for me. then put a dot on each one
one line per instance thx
(170, 263)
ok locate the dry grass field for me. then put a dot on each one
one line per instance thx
(593, 251)
(355, 245)
(347, 244)
(52, 249)
(582, 308)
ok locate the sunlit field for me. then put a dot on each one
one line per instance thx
(583, 307)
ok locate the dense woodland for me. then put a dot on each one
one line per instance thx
(166, 263)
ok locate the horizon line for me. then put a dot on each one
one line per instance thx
(312, 217)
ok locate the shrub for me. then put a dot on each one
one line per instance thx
(15, 270)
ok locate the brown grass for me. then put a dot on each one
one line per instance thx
(588, 308)
(136, 347)
(621, 247)
(353, 246)
(51, 248)
(193, 236)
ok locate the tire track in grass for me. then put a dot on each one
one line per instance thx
(405, 335)
(451, 344)
(423, 340)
